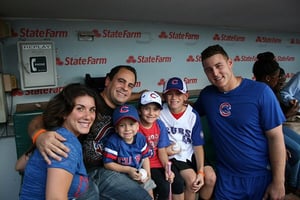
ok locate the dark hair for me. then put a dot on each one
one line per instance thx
(117, 68)
(282, 72)
(213, 50)
(266, 56)
(62, 104)
(265, 65)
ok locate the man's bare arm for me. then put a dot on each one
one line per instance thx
(49, 143)
(277, 153)
(35, 124)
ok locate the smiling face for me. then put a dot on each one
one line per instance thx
(119, 88)
(149, 114)
(176, 101)
(218, 70)
(127, 128)
(80, 120)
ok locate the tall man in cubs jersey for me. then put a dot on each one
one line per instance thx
(245, 121)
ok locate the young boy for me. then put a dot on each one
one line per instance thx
(126, 151)
(185, 131)
(156, 134)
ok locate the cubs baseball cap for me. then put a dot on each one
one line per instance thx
(150, 97)
(175, 83)
(125, 111)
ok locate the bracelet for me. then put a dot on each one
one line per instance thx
(37, 134)
(201, 172)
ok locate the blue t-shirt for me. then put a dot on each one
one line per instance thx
(35, 176)
(238, 120)
(117, 150)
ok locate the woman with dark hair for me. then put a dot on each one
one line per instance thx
(118, 87)
(266, 69)
(70, 113)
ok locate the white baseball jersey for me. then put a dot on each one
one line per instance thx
(187, 131)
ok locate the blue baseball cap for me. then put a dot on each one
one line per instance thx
(125, 111)
(175, 83)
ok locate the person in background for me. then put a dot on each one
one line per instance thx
(126, 151)
(185, 132)
(281, 82)
(290, 93)
(248, 140)
(264, 67)
(291, 110)
(70, 113)
(119, 83)
(23, 160)
(293, 155)
(267, 70)
(155, 131)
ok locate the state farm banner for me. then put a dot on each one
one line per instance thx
(157, 51)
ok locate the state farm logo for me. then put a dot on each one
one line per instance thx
(224, 37)
(40, 33)
(149, 59)
(179, 36)
(81, 61)
(14, 33)
(191, 58)
(295, 41)
(161, 82)
(96, 33)
(262, 39)
(289, 75)
(107, 33)
(131, 59)
(244, 58)
(253, 58)
(37, 92)
(285, 58)
(59, 62)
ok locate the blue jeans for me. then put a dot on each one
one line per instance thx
(105, 184)
(292, 142)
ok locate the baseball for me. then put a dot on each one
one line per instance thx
(176, 147)
(143, 172)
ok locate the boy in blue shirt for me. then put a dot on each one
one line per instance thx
(126, 151)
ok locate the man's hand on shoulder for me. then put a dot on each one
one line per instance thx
(50, 145)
